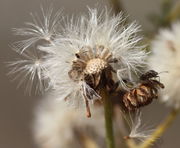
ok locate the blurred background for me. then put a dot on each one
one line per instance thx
(17, 109)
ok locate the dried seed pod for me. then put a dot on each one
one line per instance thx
(144, 93)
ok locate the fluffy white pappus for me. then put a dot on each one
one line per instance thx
(58, 64)
(111, 32)
(138, 130)
(44, 28)
(89, 31)
(57, 126)
(166, 57)
(28, 69)
(102, 29)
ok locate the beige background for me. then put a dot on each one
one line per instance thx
(16, 109)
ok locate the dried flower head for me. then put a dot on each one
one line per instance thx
(166, 57)
(87, 54)
(144, 93)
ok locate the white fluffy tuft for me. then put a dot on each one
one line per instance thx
(166, 57)
(29, 70)
(43, 27)
(138, 130)
(109, 31)
(86, 31)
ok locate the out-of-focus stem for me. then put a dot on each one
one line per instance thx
(160, 129)
(174, 13)
(131, 143)
(85, 140)
(117, 5)
(108, 111)
(88, 142)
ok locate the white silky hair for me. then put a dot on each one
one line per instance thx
(43, 27)
(27, 69)
(166, 57)
(138, 129)
(111, 32)
(63, 41)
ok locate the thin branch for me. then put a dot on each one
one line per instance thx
(117, 5)
(160, 129)
(108, 111)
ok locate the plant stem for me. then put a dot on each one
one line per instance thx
(160, 129)
(88, 142)
(131, 144)
(174, 13)
(108, 111)
(117, 6)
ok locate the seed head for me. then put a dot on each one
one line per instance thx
(85, 54)
(95, 66)
(166, 57)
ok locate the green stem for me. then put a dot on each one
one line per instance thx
(160, 129)
(117, 6)
(108, 111)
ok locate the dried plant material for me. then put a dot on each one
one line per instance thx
(144, 93)
(85, 54)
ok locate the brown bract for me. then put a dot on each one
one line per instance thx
(92, 66)
(144, 93)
